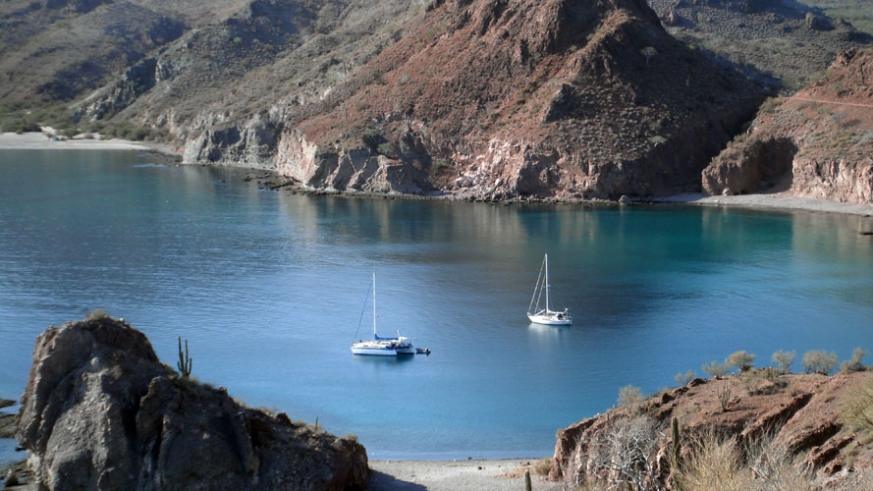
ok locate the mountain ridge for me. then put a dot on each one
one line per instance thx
(480, 99)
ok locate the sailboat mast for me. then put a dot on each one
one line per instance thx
(374, 305)
(547, 284)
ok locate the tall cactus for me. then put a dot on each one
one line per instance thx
(185, 362)
(676, 445)
(527, 484)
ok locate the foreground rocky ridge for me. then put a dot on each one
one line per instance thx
(101, 412)
(783, 431)
(816, 143)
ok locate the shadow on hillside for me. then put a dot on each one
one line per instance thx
(379, 481)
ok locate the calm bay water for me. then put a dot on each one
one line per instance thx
(269, 289)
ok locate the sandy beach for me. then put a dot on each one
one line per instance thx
(461, 475)
(772, 201)
(43, 141)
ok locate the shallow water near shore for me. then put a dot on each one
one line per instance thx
(270, 289)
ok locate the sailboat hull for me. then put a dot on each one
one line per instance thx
(373, 350)
(551, 318)
(384, 347)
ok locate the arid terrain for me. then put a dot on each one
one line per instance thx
(504, 100)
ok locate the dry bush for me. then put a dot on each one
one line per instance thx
(712, 463)
(856, 405)
(630, 394)
(715, 369)
(854, 364)
(784, 359)
(720, 463)
(625, 456)
(772, 467)
(741, 360)
(819, 362)
(684, 378)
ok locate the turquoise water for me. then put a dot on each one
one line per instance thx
(269, 288)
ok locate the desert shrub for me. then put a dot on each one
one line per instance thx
(97, 314)
(854, 364)
(741, 360)
(684, 378)
(770, 104)
(712, 463)
(715, 462)
(783, 360)
(772, 468)
(543, 467)
(819, 362)
(715, 369)
(629, 394)
(856, 405)
(626, 454)
(372, 138)
(387, 149)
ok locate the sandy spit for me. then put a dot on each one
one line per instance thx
(42, 141)
(771, 201)
(460, 475)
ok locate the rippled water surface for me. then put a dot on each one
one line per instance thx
(269, 288)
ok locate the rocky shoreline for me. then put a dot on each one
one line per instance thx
(272, 180)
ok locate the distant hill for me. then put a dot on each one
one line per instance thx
(780, 42)
(496, 99)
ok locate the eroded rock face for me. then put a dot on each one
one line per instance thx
(815, 144)
(101, 412)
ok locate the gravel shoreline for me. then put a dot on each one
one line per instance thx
(460, 475)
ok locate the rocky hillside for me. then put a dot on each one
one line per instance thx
(479, 99)
(816, 143)
(101, 412)
(503, 100)
(783, 43)
(760, 429)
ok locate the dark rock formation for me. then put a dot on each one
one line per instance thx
(101, 412)
(818, 143)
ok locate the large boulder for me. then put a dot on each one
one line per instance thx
(101, 412)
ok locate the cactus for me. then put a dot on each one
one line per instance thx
(527, 485)
(185, 362)
(676, 446)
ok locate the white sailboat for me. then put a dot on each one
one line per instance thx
(546, 315)
(379, 346)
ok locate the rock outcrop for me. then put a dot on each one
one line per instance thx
(817, 143)
(801, 426)
(101, 412)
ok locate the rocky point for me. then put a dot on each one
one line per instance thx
(100, 411)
